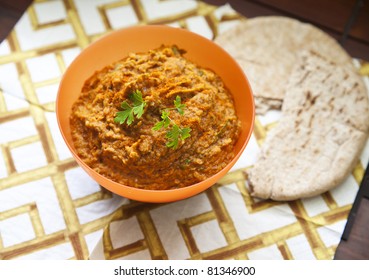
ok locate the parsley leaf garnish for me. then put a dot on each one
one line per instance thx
(136, 109)
(179, 106)
(175, 133)
(165, 121)
(130, 111)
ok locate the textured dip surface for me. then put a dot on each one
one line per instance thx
(135, 154)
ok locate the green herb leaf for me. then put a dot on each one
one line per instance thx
(122, 116)
(175, 134)
(165, 122)
(136, 98)
(158, 126)
(179, 106)
(185, 133)
(138, 110)
(129, 112)
(125, 105)
(165, 117)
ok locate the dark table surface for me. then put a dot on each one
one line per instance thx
(345, 20)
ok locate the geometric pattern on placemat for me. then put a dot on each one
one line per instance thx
(63, 214)
(226, 223)
(32, 59)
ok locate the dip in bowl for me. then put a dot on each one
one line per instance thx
(172, 178)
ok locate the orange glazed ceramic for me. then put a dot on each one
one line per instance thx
(117, 45)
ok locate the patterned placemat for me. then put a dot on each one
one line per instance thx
(51, 209)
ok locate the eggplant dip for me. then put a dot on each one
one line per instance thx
(155, 120)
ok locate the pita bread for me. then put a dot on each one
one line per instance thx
(323, 128)
(267, 49)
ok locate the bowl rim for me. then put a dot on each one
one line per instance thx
(132, 192)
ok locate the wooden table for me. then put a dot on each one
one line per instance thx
(345, 20)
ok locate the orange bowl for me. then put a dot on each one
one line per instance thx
(117, 45)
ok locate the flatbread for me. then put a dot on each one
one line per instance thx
(267, 49)
(317, 142)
